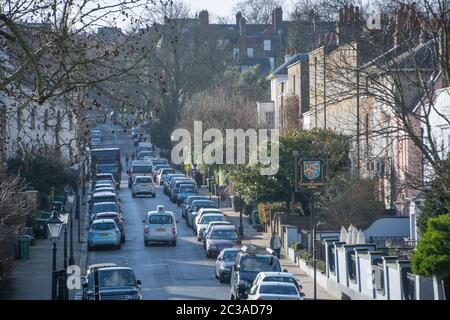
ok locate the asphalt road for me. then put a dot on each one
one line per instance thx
(166, 272)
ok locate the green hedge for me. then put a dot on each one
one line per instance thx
(320, 265)
(297, 246)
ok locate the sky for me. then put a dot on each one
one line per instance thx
(216, 8)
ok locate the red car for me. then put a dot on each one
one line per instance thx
(221, 237)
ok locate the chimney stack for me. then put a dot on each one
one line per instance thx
(407, 24)
(277, 18)
(238, 18)
(243, 37)
(349, 24)
(203, 18)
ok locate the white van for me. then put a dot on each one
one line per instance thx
(160, 226)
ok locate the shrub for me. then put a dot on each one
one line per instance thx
(321, 266)
(305, 255)
(297, 246)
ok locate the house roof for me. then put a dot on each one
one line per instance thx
(282, 70)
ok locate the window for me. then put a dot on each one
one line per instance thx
(267, 45)
(272, 62)
(244, 68)
(235, 52)
(250, 52)
(269, 119)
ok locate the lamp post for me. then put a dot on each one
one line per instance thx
(54, 224)
(241, 227)
(70, 199)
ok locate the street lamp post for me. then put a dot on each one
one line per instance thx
(241, 227)
(64, 216)
(70, 199)
(54, 224)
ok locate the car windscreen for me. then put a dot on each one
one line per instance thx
(160, 219)
(224, 234)
(280, 279)
(141, 169)
(106, 168)
(277, 289)
(198, 206)
(105, 199)
(230, 255)
(105, 207)
(113, 278)
(209, 218)
(144, 180)
(259, 263)
(188, 188)
(167, 171)
(103, 226)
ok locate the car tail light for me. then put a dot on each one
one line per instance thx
(146, 230)
(259, 298)
(173, 230)
(238, 242)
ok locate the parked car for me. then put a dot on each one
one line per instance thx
(103, 207)
(104, 233)
(249, 262)
(160, 226)
(210, 227)
(162, 173)
(187, 203)
(158, 167)
(203, 222)
(98, 189)
(189, 186)
(186, 190)
(221, 237)
(114, 283)
(224, 262)
(99, 197)
(277, 277)
(118, 219)
(143, 185)
(204, 211)
(168, 180)
(107, 177)
(274, 291)
(195, 206)
(175, 187)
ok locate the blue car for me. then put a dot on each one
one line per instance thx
(104, 233)
(186, 191)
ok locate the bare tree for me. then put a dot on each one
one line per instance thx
(258, 11)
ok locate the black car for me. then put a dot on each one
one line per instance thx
(249, 262)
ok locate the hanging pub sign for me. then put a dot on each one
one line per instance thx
(312, 174)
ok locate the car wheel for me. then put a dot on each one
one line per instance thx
(119, 246)
(208, 255)
(133, 195)
(145, 243)
(221, 279)
(122, 240)
(215, 274)
(89, 248)
(232, 296)
(153, 195)
(174, 243)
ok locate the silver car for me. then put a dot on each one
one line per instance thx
(160, 226)
(104, 232)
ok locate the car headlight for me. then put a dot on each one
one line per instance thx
(134, 296)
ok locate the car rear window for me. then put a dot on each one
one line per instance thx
(187, 188)
(160, 219)
(230, 255)
(141, 169)
(224, 234)
(105, 199)
(113, 278)
(105, 207)
(103, 226)
(144, 180)
(259, 263)
(280, 279)
(276, 289)
(208, 219)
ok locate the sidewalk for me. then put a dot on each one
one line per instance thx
(262, 239)
(32, 279)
